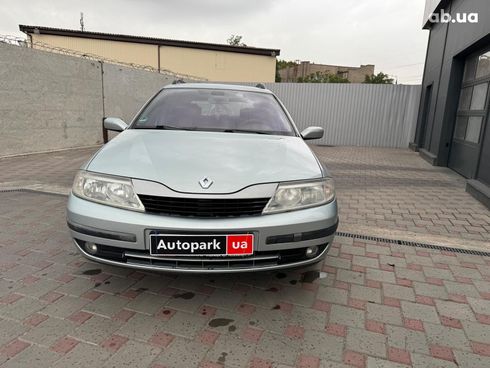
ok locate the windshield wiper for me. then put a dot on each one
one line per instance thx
(172, 127)
(245, 131)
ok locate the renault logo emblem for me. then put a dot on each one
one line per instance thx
(205, 182)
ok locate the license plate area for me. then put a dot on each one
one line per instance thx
(220, 245)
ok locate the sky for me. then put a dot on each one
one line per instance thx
(386, 33)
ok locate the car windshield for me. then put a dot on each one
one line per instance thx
(221, 110)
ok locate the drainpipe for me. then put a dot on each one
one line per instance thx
(158, 57)
(105, 136)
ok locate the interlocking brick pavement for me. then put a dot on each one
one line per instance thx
(394, 189)
(54, 169)
(373, 304)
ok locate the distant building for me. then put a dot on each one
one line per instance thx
(214, 62)
(305, 68)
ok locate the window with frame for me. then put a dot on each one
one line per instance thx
(473, 100)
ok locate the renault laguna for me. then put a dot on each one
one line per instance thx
(206, 178)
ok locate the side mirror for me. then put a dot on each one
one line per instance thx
(115, 124)
(312, 133)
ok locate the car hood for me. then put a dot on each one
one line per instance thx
(180, 159)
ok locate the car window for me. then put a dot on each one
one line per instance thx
(215, 109)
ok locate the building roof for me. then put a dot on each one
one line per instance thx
(148, 40)
(432, 6)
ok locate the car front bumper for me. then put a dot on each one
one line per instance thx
(280, 239)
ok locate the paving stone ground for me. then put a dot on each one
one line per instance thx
(54, 168)
(373, 305)
(396, 190)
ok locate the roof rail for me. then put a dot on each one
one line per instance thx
(178, 81)
(260, 85)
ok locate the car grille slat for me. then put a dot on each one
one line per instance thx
(259, 260)
(129, 254)
(203, 207)
(224, 263)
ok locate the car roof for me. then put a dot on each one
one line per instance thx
(233, 87)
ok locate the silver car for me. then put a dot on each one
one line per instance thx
(206, 178)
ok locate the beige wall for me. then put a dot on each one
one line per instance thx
(211, 65)
(218, 65)
(127, 52)
(358, 75)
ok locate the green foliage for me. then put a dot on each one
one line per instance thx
(380, 78)
(320, 77)
(281, 64)
(278, 76)
(235, 40)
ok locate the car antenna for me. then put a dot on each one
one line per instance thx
(178, 81)
(260, 85)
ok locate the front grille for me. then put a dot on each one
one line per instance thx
(203, 207)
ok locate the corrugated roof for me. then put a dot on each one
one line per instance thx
(148, 40)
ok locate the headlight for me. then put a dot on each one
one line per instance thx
(105, 189)
(289, 197)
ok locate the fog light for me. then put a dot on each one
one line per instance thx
(91, 248)
(311, 252)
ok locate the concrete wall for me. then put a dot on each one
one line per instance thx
(127, 89)
(47, 101)
(50, 101)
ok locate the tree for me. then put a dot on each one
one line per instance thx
(235, 40)
(278, 76)
(380, 78)
(320, 77)
(282, 64)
